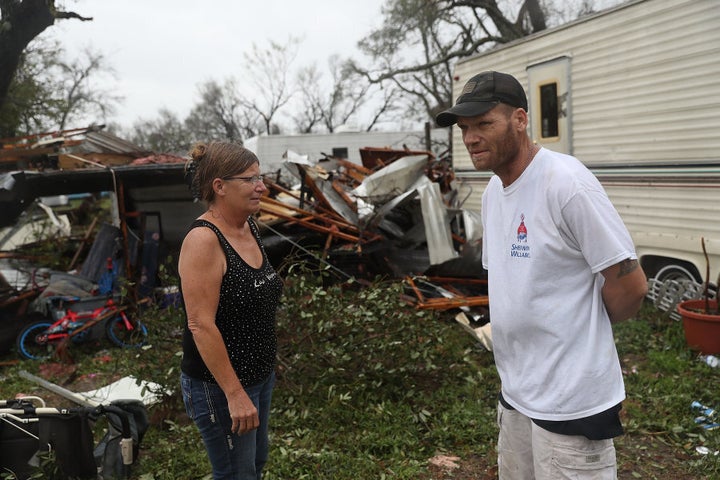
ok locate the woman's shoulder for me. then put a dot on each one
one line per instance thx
(201, 233)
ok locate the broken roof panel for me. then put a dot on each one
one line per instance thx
(392, 180)
(378, 157)
(76, 148)
(105, 142)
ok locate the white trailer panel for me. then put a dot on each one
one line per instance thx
(271, 148)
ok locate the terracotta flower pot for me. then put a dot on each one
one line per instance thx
(702, 331)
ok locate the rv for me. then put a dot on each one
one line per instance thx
(634, 93)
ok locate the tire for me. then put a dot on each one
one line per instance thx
(674, 272)
(30, 343)
(119, 335)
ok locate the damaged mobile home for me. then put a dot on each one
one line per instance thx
(633, 93)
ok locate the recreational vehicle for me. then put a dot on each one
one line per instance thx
(633, 92)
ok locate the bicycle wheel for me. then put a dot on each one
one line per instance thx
(120, 335)
(32, 342)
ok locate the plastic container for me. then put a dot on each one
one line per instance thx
(702, 409)
(702, 331)
(711, 360)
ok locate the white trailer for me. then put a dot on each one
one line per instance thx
(270, 149)
(634, 93)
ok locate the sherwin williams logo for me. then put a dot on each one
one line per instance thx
(517, 249)
(522, 230)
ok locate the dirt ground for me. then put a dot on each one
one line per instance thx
(645, 457)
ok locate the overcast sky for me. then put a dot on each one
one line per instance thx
(162, 50)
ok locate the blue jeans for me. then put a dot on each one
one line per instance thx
(232, 456)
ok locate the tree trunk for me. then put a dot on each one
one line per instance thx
(535, 15)
(21, 23)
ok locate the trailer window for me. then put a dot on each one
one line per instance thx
(549, 110)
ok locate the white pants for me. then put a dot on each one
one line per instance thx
(529, 452)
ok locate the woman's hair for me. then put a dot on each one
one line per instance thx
(209, 161)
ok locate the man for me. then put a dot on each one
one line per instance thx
(561, 267)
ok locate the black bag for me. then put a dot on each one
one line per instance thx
(120, 446)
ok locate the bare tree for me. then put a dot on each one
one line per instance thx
(269, 73)
(79, 98)
(419, 42)
(20, 22)
(218, 114)
(311, 106)
(329, 107)
(165, 134)
(387, 105)
(348, 92)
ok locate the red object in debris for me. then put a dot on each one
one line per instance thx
(158, 158)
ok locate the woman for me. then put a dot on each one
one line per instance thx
(230, 293)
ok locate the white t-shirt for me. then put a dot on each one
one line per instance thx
(546, 238)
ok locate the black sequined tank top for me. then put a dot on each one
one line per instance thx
(245, 316)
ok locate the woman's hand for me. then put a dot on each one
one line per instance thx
(243, 413)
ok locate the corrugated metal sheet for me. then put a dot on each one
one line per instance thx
(104, 142)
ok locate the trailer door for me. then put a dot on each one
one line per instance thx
(549, 103)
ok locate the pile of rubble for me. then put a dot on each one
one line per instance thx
(394, 216)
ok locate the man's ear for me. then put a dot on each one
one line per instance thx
(520, 116)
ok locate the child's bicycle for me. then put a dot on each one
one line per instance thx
(41, 339)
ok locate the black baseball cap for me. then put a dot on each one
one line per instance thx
(481, 93)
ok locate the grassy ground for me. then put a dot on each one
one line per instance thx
(369, 388)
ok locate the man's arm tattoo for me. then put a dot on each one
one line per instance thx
(627, 266)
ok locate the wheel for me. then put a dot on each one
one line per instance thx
(32, 341)
(674, 272)
(119, 334)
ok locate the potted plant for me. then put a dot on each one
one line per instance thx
(701, 317)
